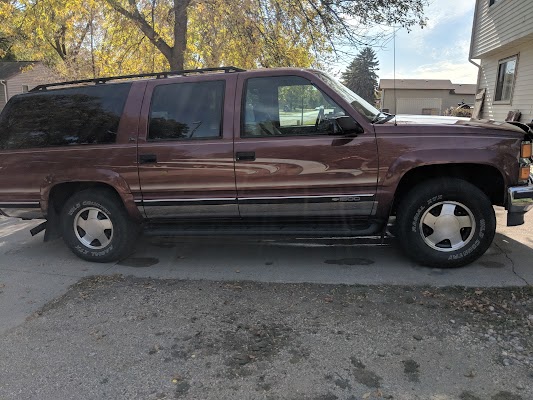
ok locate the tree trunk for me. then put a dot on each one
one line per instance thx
(177, 57)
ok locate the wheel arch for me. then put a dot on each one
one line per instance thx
(56, 189)
(55, 194)
(485, 177)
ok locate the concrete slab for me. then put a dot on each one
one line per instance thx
(32, 272)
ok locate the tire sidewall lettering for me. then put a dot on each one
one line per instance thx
(87, 203)
(81, 249)
(72, 210)
(422, 208)
(103, 252)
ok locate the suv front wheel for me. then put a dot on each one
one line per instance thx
(445, 223)
(96, 227)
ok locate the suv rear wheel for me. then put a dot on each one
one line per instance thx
(96, 227)
(445, 223)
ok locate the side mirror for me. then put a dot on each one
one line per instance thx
(347, 126)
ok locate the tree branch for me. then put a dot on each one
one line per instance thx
(136, 17)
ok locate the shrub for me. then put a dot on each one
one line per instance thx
(458, 112)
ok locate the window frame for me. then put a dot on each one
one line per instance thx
(221, 125)
(500, 62)
(243, 110)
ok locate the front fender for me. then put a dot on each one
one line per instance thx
(504, 163)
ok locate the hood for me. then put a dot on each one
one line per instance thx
(441, 120)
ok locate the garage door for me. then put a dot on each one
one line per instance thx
(420, 106)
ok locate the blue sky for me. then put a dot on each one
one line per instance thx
(439, 51)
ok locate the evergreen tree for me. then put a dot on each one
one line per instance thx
(361, 77)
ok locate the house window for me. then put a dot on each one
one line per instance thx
(506, 78)
(24, 88)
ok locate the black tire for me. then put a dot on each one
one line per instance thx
(465, 201)
(121, 237)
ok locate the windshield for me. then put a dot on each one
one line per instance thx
(361, 105)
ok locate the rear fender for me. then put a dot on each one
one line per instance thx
(100, 176)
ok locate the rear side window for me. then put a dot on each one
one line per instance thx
(191, 110)
(63, 117)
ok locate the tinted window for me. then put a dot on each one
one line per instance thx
(287, 105)
(62, 117)
(187, 111)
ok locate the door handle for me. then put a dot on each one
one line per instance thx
(245, 156)
(147, 158)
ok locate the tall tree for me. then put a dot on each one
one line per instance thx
(178, 15)
(321, 22)
(105, 37)
(361, 76)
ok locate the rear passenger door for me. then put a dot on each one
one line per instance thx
(185, 148)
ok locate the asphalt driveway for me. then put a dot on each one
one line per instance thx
(33, 273)
(227, 318)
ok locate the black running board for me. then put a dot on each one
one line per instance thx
(247, 229)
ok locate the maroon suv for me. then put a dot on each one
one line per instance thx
(264, 152)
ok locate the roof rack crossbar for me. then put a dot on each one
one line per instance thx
(157, 75)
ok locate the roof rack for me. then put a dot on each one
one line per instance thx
(157, 75)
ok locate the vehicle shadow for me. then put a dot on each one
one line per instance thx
(328, 261)
(334, 261)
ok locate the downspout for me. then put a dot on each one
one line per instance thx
(474, 22)
(4, 83)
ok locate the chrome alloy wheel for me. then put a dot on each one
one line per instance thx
(447, 226)
(93, 228)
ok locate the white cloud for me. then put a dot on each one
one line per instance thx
(443, 11)
(439, 51)
(463, 72)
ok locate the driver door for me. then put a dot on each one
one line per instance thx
(290, 161)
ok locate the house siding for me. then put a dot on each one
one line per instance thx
(448, 99)
(522, 98)
(39, 74)
(507, 22)
(3, 99)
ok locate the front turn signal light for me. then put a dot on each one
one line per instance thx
(526, 150)
(524, 173)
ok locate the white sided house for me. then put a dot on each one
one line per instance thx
(21, 76)
(502, 39)
(423, 96)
